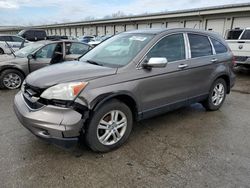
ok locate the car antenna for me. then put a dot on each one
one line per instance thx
(194, 26)
(11, 50)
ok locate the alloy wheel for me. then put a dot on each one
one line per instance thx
(218, 94)
(112, 127)
(12, 81)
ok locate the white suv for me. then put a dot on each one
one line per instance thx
(13, 41)
(239, 42)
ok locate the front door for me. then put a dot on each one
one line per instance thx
(161, 87)
(43, 57)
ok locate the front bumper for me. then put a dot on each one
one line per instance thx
(60, 126)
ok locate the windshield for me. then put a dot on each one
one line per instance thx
(117, 51)
(24, 52)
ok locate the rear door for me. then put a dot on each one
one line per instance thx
(73, 50)
(203, 62)
(161, 87)
(43, 57)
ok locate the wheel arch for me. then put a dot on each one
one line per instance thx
(227, 80)
(12, 68)
(124, 97)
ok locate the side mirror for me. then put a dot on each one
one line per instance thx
(31, 56)
(156, 62)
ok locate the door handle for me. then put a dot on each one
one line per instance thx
(182, 66)
(214, 60)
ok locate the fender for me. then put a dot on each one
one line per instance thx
(228, 81)
(12, 66)
(101, 99)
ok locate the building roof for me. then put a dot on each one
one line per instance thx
(240, 7)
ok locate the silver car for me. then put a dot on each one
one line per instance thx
(129, 77)
(15, 67)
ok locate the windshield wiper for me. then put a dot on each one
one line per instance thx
(93, 62)
(11, 50)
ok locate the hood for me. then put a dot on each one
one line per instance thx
(11, 60)
(67, 72)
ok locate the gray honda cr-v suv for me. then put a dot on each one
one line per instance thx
(130, 77)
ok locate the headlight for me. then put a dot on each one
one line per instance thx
(66, 91)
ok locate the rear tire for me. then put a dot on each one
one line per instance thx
(11, 79)
(109, 127)
(217, 95)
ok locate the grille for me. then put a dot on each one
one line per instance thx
(32, 91)
(31, 96)
(241, 58)
(32, 104)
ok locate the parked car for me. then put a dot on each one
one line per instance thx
(14, 68)
(86, 39)
(101, 95)
(33, 34)
(13, 42)
(239, 42)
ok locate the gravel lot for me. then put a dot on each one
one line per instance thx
(188, 147)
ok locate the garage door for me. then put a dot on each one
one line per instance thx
(241, 22)
(195, 24)
(101, 30)
(79, 31)
(63, 31)
(143, 26)
(130, 27)
(92, 30)
(158, 25)
(87, 30)
(53, 31)
(67, 32)
(119, 28)
(173, 24)
(216, 25)
(110, 30)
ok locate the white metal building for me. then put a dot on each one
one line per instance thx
(218, 19)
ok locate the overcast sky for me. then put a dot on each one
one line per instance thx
(36, 12)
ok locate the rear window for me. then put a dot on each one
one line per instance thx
(218, 46)
(246, 35)
(6, 38)
(200, 45)
(234, 34)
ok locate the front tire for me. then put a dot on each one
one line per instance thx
(109, 127)
(217, 95)
(11, 79)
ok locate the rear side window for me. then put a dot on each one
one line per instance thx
(219, 47)
(200, 45)
(6, 38)
(246, 35)
(171, 47)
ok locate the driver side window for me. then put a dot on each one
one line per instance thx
(46, 52)
(171, 47)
